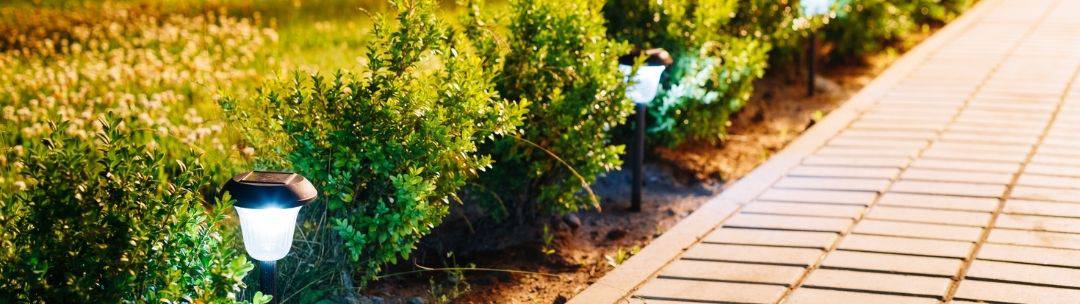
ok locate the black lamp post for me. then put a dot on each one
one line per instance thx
(811, 50)
(812, 8)
(644, 81)
(267, 204)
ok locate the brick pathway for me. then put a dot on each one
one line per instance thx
(954, 177)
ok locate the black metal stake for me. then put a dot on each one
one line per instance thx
(638, 158)
(811, 50)
(267, 280)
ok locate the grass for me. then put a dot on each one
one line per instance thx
(322, 36)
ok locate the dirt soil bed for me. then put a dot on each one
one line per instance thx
(587, 244)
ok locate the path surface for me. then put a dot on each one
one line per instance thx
(953, 177)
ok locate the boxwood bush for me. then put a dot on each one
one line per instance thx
(937, 12)
(112, 219)
(772, 21)
(390, 146)
(553, 57)
(714, 68)
(867, 26)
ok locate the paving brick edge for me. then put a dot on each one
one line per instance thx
(619, 283)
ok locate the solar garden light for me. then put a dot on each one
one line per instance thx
(267, 204)
(811, 8)
(644, 82)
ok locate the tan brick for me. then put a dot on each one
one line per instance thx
(772, 238)
(1039, 223)
(984, 138)
(1049, 181)
(825, 296)
(883, 114)
(1019, 206)
(892, 114)
(1013, 272)
(951, 217)
(889, 244)
(866, 151)
(956, 176)
(826, 183)
(970, 127)
(1061, 141)
(1008, 115)
(891, 134)
(939, 202)
(983, 148)
(808, 209)
(984, 119)
(1059, 170)
(1055, 159)
(754, 254)
(1008, 124)
(963, 165)
(733, 272)
(803, 223)
(672, 289)
(653, 301)
(864, 142)
(917, 110)
(1035, 238)
(864, 124)
(918, 230)
(869, 281)
(993, 130)
(1046, 194)
(946, 188)
(1015, 293)
(932, 121)
(1031, 255)
(819, 196)
(1060, 150)
(894, 263)
(972, 154)
(864, 161)
(840, 171)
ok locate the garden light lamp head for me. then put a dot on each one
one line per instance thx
(267, 204)
(815, 7)
(644, 83)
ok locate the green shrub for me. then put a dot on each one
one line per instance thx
(678, 26)
(778, 23)
(716, 59)
(771, 21)
(867, 26)
(388, 148)
(557, 61)
(937, 12)
(111, 219)
(707, 90)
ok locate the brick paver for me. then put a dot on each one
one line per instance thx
(952, 178)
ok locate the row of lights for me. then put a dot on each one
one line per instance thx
(268, 203)
(645, 82)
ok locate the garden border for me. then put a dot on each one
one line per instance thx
(628, 276)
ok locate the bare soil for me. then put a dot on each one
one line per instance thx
(588, 244)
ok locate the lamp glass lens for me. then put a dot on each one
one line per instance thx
(815, 7)
(644, 84)
(268, 233)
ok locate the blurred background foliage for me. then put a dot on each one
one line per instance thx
(120, 119)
